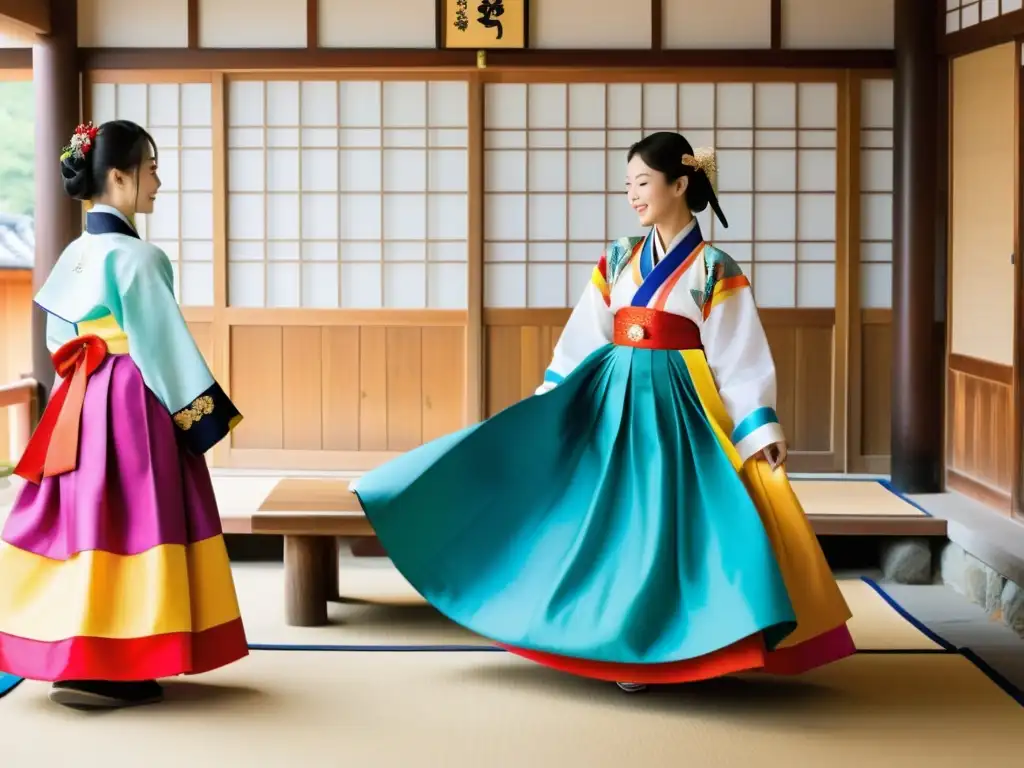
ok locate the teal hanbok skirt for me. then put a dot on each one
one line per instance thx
(601, 521)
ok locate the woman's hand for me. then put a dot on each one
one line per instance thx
(775, 455)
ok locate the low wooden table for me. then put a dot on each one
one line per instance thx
(311, 514)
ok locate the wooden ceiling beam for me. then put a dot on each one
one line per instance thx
(328, 58)
(25, 17)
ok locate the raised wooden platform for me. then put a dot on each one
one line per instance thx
(863, 508)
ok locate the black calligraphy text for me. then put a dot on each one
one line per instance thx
(489, 11)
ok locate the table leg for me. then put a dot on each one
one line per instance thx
(305, 598)
(331, 568)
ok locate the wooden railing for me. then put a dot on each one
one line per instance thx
(22, 399)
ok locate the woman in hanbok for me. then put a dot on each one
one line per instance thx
(112, 561)
(632, 521)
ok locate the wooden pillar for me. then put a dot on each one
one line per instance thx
(58, 218)
(1017, 484)
(917, 368)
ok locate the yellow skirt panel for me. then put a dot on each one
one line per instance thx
(813, 591)
(170, 588)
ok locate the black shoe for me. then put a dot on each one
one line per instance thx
(632, 687)
(101, 694)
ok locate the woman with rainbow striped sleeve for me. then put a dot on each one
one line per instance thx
(633, 522)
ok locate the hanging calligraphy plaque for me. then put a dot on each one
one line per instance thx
(485, 24)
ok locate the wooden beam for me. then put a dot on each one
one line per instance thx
(30, 17)
(312, 24)
(776, 21)
(476, 370)
(917, 362)
(657, 25)
(55, 78)
(1017, 408)
(193, 24)
(985, 34)
(262, 59)
(439, 26)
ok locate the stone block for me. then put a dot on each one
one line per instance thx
(907, 561)
(1012, 607)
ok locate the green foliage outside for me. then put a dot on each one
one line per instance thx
(17, 128)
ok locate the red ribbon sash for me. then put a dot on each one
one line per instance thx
(53, 448)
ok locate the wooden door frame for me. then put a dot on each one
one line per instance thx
(1017, 485)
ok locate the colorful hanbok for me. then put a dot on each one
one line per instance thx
(621, 523)
(112, 560)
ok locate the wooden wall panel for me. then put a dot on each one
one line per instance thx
(257, 386)
(373, 389)
(876, 385)
(341, 398)
(314, 397)
(804, 358)
(519, 344)
(979, 435)
(202, 332)
(16, 335)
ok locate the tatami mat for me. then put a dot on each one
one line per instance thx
(818, 497)
(380, 609)
(455, 710)
(852, 497)
(390, 612)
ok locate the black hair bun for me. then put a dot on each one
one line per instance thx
(77, 176)
(698, 191)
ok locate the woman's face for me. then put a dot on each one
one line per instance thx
(149, 182)
(131, 195)
(650, 195)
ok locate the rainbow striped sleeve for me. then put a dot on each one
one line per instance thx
(599, 277)
(724, 279)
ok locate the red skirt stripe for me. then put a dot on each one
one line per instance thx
(745, 655)
(144, 658)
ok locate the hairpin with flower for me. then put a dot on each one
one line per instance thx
(81, 142)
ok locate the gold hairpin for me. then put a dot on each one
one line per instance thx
(703, 159)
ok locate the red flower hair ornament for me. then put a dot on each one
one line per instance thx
(81, 142)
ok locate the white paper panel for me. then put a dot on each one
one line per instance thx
(549, 202)
(817, 24)
(359, 24)
(349, 182)
(136, 24)
(724, 24)
(969, 14)
(590, 24)
(876, 198)
(252, 24)
(178, 116)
